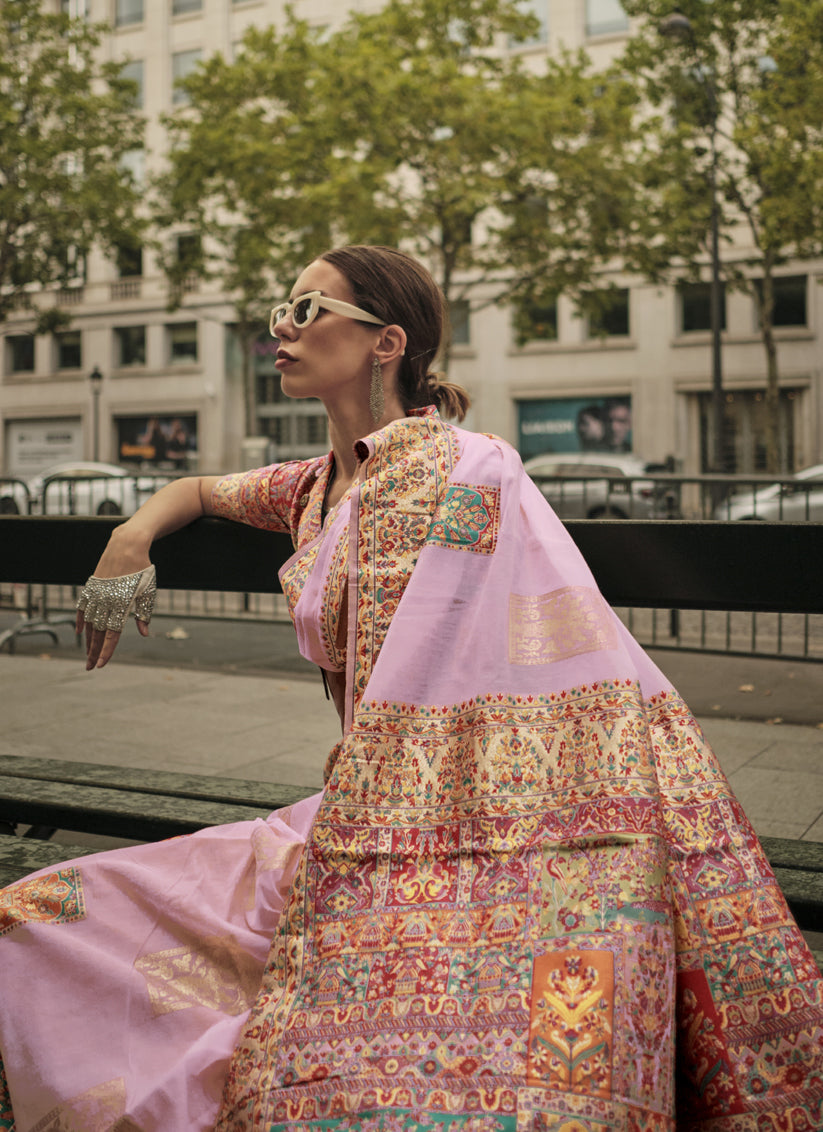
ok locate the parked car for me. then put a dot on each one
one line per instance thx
(790, 502)
(85, 488)
(600, 486)
(14, 498)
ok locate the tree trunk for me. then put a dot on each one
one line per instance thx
(765, 312)
(247, 336)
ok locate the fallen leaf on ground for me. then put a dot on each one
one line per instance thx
(177, 634)
(777, 719)
(746, 688)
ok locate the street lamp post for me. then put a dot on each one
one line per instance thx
(679, 26)
(96, 380)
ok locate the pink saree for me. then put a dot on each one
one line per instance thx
(527, 898)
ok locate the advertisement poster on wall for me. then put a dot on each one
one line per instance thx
(575, 424)
(33, 445)
(157, 441)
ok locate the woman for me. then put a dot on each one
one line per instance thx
(526, 897)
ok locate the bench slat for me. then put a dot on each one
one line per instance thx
(113, 813)
(804, 895)
(789, 854)
(204, 788)
(20, 856)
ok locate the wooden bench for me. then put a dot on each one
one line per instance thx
(125, 802)
(654, 564)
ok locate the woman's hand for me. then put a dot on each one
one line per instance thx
(122, 558)
(127, 555)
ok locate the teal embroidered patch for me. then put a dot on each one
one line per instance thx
(467, 519)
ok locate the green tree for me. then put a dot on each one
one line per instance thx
(505, 178)
(736, 94)
(415, 126)
(66, 121)
(425, 103)
(245, 169)
(568, 207)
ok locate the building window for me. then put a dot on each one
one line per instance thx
(540, 9)
(182, 338)
(535, 321)
(180, 7)
(696, 306)
(133, 71)
(131, 345)
(605, 17)
(188, 250)
(133, 161)
(69, 349)
(182, 64)
(20, 353)
(789, 300)
(744, 431)
(610, 318)
(129, 260)
(128, 12)
(459, 322)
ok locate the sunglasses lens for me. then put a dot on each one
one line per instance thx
(303, 312)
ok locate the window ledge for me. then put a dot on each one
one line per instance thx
(43, 378)
(131, 371)
(590, 346)
(704, 337)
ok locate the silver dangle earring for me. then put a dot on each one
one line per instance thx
(376, 400)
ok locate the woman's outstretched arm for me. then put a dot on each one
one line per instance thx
(128, 550)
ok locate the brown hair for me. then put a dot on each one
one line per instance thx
(397, 289)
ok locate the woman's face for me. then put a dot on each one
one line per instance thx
(331, 358)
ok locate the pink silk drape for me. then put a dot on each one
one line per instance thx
(526, 899)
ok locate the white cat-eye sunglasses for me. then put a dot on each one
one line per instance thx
(304, 310)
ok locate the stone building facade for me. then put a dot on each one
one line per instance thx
(170, 391)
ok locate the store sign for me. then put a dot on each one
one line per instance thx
(575, 424)
(32, 446)
(161, 441)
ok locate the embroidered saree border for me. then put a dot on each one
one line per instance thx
(542, 911)
(54, 898)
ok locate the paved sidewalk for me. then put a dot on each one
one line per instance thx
(278, 727)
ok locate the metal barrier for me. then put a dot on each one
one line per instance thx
(664, 495)
(97, 494)
(15, 497)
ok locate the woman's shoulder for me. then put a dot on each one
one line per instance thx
(486, 444)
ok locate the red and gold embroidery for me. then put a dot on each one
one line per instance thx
(56, 898)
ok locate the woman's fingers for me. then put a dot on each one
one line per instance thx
(100, 646)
